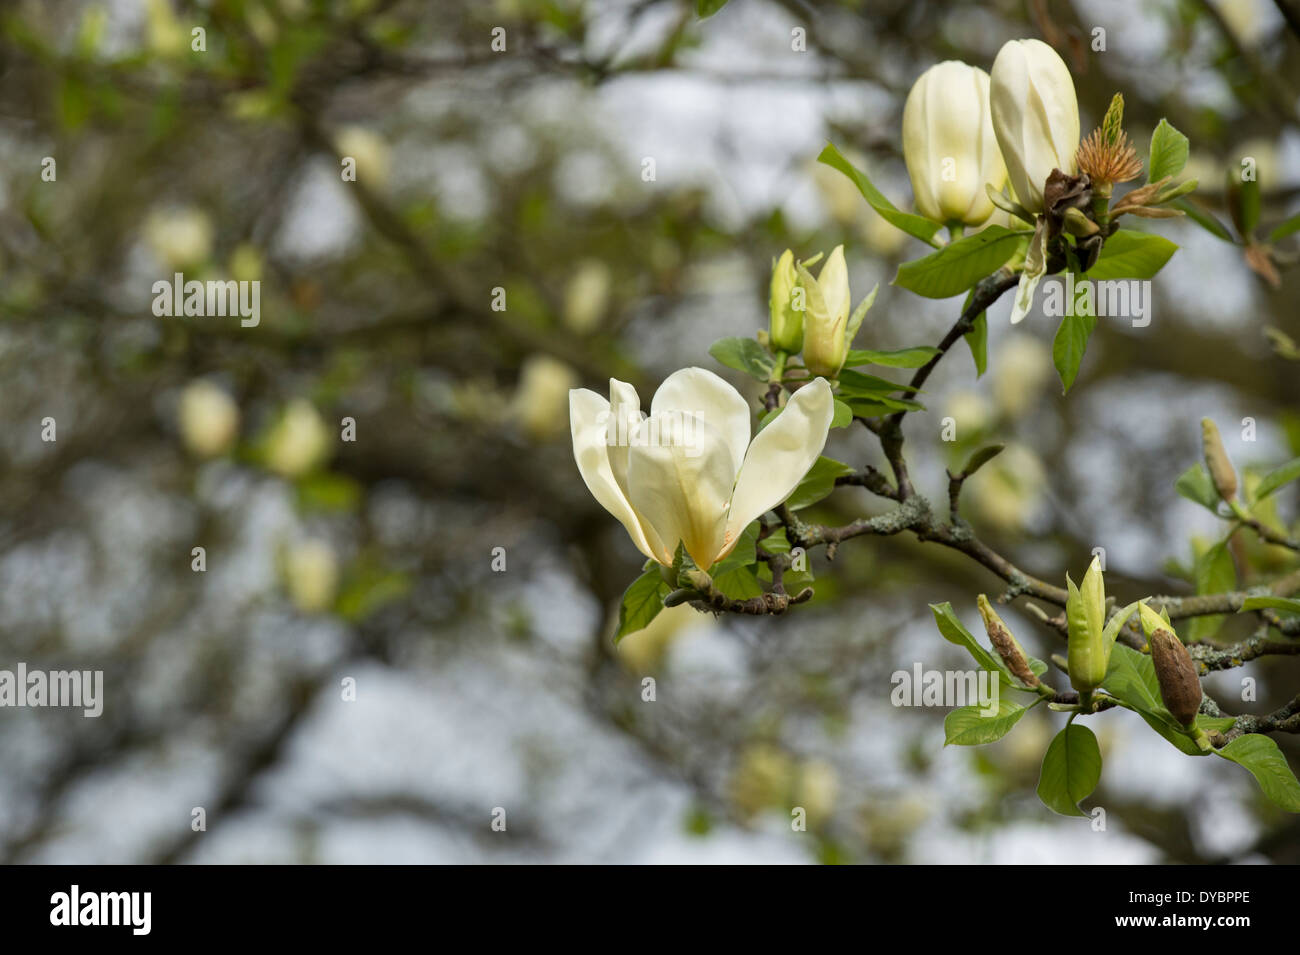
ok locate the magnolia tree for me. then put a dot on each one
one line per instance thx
(710, 490)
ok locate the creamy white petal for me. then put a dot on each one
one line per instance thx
(700, 392)
(588, 414)
(834, 282)
(624, 415)
(780, 456)
(681, 487)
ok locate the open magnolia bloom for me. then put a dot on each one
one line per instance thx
(688, 471)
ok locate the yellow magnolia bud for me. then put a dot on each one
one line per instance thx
(311, 575)
(179, 237)
(1035, 116)
(298, 442)
(209, 419)
(949, 146)
(1216, 460)
(826, 316)
(1088, 652)
(787, 318)
(541, 401)
(1152, 621)
(586, 296)
(370, 152)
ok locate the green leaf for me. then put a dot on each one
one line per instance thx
(1131, 677)
(1215, 573)
(857, 384)
(970, 726)
(744, 354)
(641, 603)
(1277, 478)
(981, 457)
(1071, 770)
(1205, 219)
(843, 415)
(959, 265)
(818, 483)
(952, 630)
(1289, 604)
(1168, 152)
(742, 555)
(739, 583)
(1248, 201)
(902, 358)
(1289, 227)
(1196, 485)
(859, 313)
(1263, 760)
(875, 405)
(1131, 255)
(978, 339)
(913, 225)
(707, 8)
(1069, 346)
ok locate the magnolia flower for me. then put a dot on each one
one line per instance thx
(298, 442)
(787, 318)
(1035, 116)
(370, 152)
(827, 329)
(586, 296)
(538, 403)
(311, 572)
(209, 419)
(949, 146)
(689, 472)
(179, 237)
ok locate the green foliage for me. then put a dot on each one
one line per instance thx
(960, 264)
(1259, 755)
(1168, 152)
(971, 726)
(744, 354)
(913, 225)
(818, 483)
(1132, 255)
(641, 602)
(1071, 770)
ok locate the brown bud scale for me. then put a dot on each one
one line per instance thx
(1180, 685)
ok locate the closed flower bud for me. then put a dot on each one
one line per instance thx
(787, 319)
(949, 146)
(311, 575)
(1005, 644)
(826, 316)
(1216, 459)
(209, 419)
(1035, 116)
(1085, 611)
(1180, 686)
(1152, 621)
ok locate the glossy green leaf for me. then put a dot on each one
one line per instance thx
(641, 603)
(1277, 478)
(1071, 770)
(1168, 152)
(1263, 760)
(913, 225)
(956, 267)
(973, 726)
(818, 483)
(744, 354)
(902, 358)
(1132, 255)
